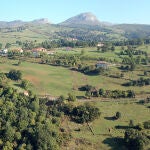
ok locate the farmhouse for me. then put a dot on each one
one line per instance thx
(102, 64)
(39, 49)
(4, 51)
(100, 44)
(19, 50)
(36, 51)
(26, 93)
(50, 52)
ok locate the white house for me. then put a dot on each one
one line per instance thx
(100, 44)
(102, 64)
(4, 51)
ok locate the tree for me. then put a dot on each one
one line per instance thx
(15, 75)
(9, 133)
(85, 113)
(45, 141)
(101, 92)
(145, 73)
(136, 140)
(112, 48)
(118, 115)
(8, 45)
(25, 84)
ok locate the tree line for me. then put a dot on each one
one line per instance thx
(91, 91)
(139, 82)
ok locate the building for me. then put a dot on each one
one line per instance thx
(50, 52)
(4, 51)
(19, 50)
(39, 49)
(36, 51)
(102, 64)
(26, 93)
(100, 44)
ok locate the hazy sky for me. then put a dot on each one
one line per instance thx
(115, 11)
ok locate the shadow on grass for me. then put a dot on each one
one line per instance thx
(116, 143)
(122, 127)
(18, 85)
(80, 97)
(15, 64)
(113, 118)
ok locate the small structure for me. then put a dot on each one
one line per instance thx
(39, 49)
(19, 50)
(102, 64)
(100, 44)
(36, 51)
(26, 93)
(4, 51)
(50, 52)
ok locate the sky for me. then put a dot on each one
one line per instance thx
(114, 11)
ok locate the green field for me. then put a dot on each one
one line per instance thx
(55, 81)
(102, 138)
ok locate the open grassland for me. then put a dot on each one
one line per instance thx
(103, 138)
(55, 81)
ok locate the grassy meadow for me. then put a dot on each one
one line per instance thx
(56, 81)
(102, 138)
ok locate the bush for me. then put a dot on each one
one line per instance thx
(71, 97)
(131, 123)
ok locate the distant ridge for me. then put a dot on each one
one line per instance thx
(84, 26)
(17, 23)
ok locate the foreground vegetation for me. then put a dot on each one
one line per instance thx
(65, 100)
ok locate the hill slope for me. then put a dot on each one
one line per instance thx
(84, 27)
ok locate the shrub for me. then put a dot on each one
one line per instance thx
(147, 124)
(131, 123)
(71, 97)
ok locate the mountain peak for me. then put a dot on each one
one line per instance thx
(86, 18)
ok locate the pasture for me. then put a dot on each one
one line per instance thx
(56, 80)
(103, 138)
